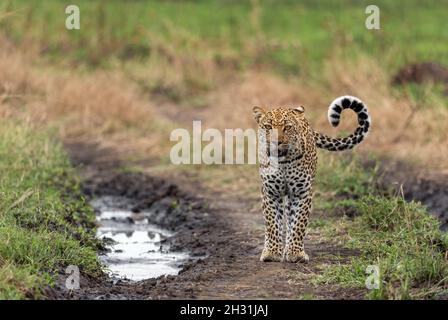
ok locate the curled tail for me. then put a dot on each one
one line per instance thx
(334, 114)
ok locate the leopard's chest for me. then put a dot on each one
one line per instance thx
(288, 178)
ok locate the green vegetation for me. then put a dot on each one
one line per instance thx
(43, 217)
(401, 238)
(288, 36)
(182, 49)
(345, 175)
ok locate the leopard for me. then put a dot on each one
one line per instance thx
(287, 156)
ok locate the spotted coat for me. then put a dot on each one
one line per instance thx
(288, 160)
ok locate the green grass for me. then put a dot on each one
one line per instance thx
(197, 42)
(184, 49)
(401, 238)
(43, 217)
(341, 180)
(290, 37)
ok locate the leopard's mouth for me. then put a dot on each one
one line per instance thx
(282, 152)
(277, 152)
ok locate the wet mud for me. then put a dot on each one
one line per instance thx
(222, 235)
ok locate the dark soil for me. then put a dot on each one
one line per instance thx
(428, 187)
(422, 72)
(223, 234)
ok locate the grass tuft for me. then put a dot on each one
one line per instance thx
(401, 238)
(44, 219)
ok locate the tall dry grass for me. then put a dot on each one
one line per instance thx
(403, 128)
(100, 107)
(183, 66)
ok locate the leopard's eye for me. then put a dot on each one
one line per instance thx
(267, 126)
(288, 127)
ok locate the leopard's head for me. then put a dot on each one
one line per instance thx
(283, 129)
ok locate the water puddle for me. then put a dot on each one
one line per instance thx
(136, 252)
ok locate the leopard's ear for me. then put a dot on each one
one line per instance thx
(299, 110)
(258, 113)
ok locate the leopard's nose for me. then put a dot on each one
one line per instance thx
(277, 143)
(281, 143)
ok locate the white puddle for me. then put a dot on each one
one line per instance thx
(136, 253)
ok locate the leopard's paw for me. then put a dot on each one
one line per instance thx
(270, 256)
(299, 256)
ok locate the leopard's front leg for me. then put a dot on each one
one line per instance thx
(298, 212)
(272, 206)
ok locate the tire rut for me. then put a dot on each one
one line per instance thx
(223, 233)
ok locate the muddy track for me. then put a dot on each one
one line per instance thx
(223, 234)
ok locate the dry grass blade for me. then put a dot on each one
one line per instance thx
(22, 198)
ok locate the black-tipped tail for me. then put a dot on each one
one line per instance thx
(334, 114)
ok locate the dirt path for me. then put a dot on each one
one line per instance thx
(223, 233)
(233, 270)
